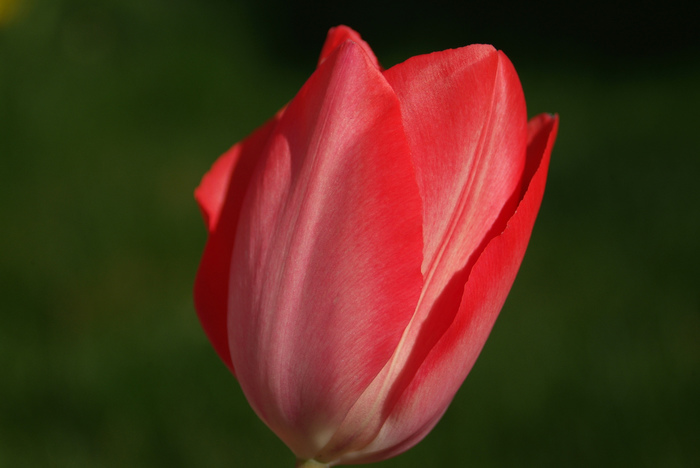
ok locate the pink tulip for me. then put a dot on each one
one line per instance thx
(362, 243)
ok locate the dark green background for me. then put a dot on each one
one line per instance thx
(111, 111)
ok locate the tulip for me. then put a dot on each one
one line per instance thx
(362, 243)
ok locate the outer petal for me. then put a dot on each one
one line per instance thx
(220, 195)
(337, 36)
(448, 363)
(326, 264)
(464, 115)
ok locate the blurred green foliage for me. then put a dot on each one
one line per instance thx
(111, 111)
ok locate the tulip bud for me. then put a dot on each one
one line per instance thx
(363, 241)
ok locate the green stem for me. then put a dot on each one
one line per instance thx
(310, 464)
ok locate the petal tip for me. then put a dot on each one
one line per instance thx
(341, 34)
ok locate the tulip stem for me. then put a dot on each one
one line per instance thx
(310, 464)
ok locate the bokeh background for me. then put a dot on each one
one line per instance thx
(111, 111)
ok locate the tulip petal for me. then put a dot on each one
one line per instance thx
(464, 115)
(446, 366)
(337, 36)
(326, 263)
(220, 195)
(465, 119)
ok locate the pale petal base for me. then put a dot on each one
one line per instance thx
(310, 464)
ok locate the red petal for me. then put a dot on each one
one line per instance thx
(338, 35)
(490, 280)
(464, 116)
(326, 265)
(220, 196)
(211, 193)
